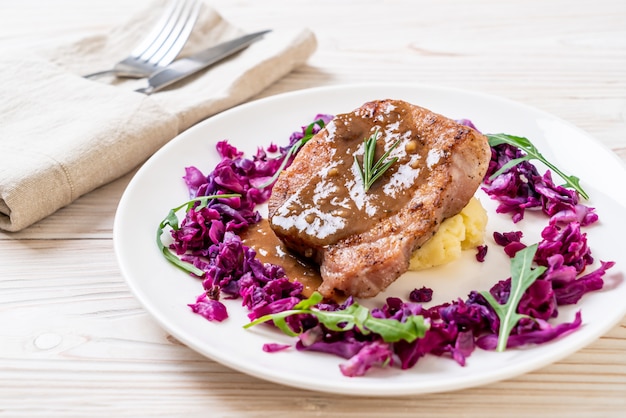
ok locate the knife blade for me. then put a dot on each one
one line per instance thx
(187, 66)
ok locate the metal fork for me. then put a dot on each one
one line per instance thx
(161, 45)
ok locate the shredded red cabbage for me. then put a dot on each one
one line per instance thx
(481, 253)
(421, 295)
(522, 187)
(544, 333)
(272, 347)
(208, 239)
(565, 253)
(211, 309)
(374, 354)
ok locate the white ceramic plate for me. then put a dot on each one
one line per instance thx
(165, 291)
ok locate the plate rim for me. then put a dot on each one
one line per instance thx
(463, 383)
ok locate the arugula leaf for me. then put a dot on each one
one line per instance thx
(354, 316)
(370, 172)
(171, 220)
(522, 277)
(393, 330)
(313, 300)
(531, 153)
(308, 134)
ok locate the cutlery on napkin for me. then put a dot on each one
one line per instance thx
(185, 67)
(62, 136)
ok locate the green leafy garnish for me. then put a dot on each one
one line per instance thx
(308, 134)
(370, 172)
(171, 220)
(522, 277)
(390, 330)
(531, 153)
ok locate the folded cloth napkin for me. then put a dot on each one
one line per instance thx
(62, 136)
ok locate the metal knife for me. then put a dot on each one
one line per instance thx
(185, 67)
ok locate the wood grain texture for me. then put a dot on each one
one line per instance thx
(74, 342)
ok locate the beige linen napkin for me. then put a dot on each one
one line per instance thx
(62, 136)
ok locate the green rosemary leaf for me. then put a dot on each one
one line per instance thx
(372, 171)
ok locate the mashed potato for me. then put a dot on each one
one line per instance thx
(460, 232)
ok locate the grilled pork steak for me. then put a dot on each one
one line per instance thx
(363, 241)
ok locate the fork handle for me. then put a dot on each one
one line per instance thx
(117, 73)
(99, 74)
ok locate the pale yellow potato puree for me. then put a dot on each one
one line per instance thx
(460, 232)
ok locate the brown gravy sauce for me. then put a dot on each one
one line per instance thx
(270, 249)
(333, 204)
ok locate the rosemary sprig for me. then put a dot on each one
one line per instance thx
(370, 171)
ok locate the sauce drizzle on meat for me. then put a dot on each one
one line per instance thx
(334, 204)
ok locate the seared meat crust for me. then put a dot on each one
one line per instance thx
(450, 161)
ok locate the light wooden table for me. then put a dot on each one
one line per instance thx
(74, 341)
